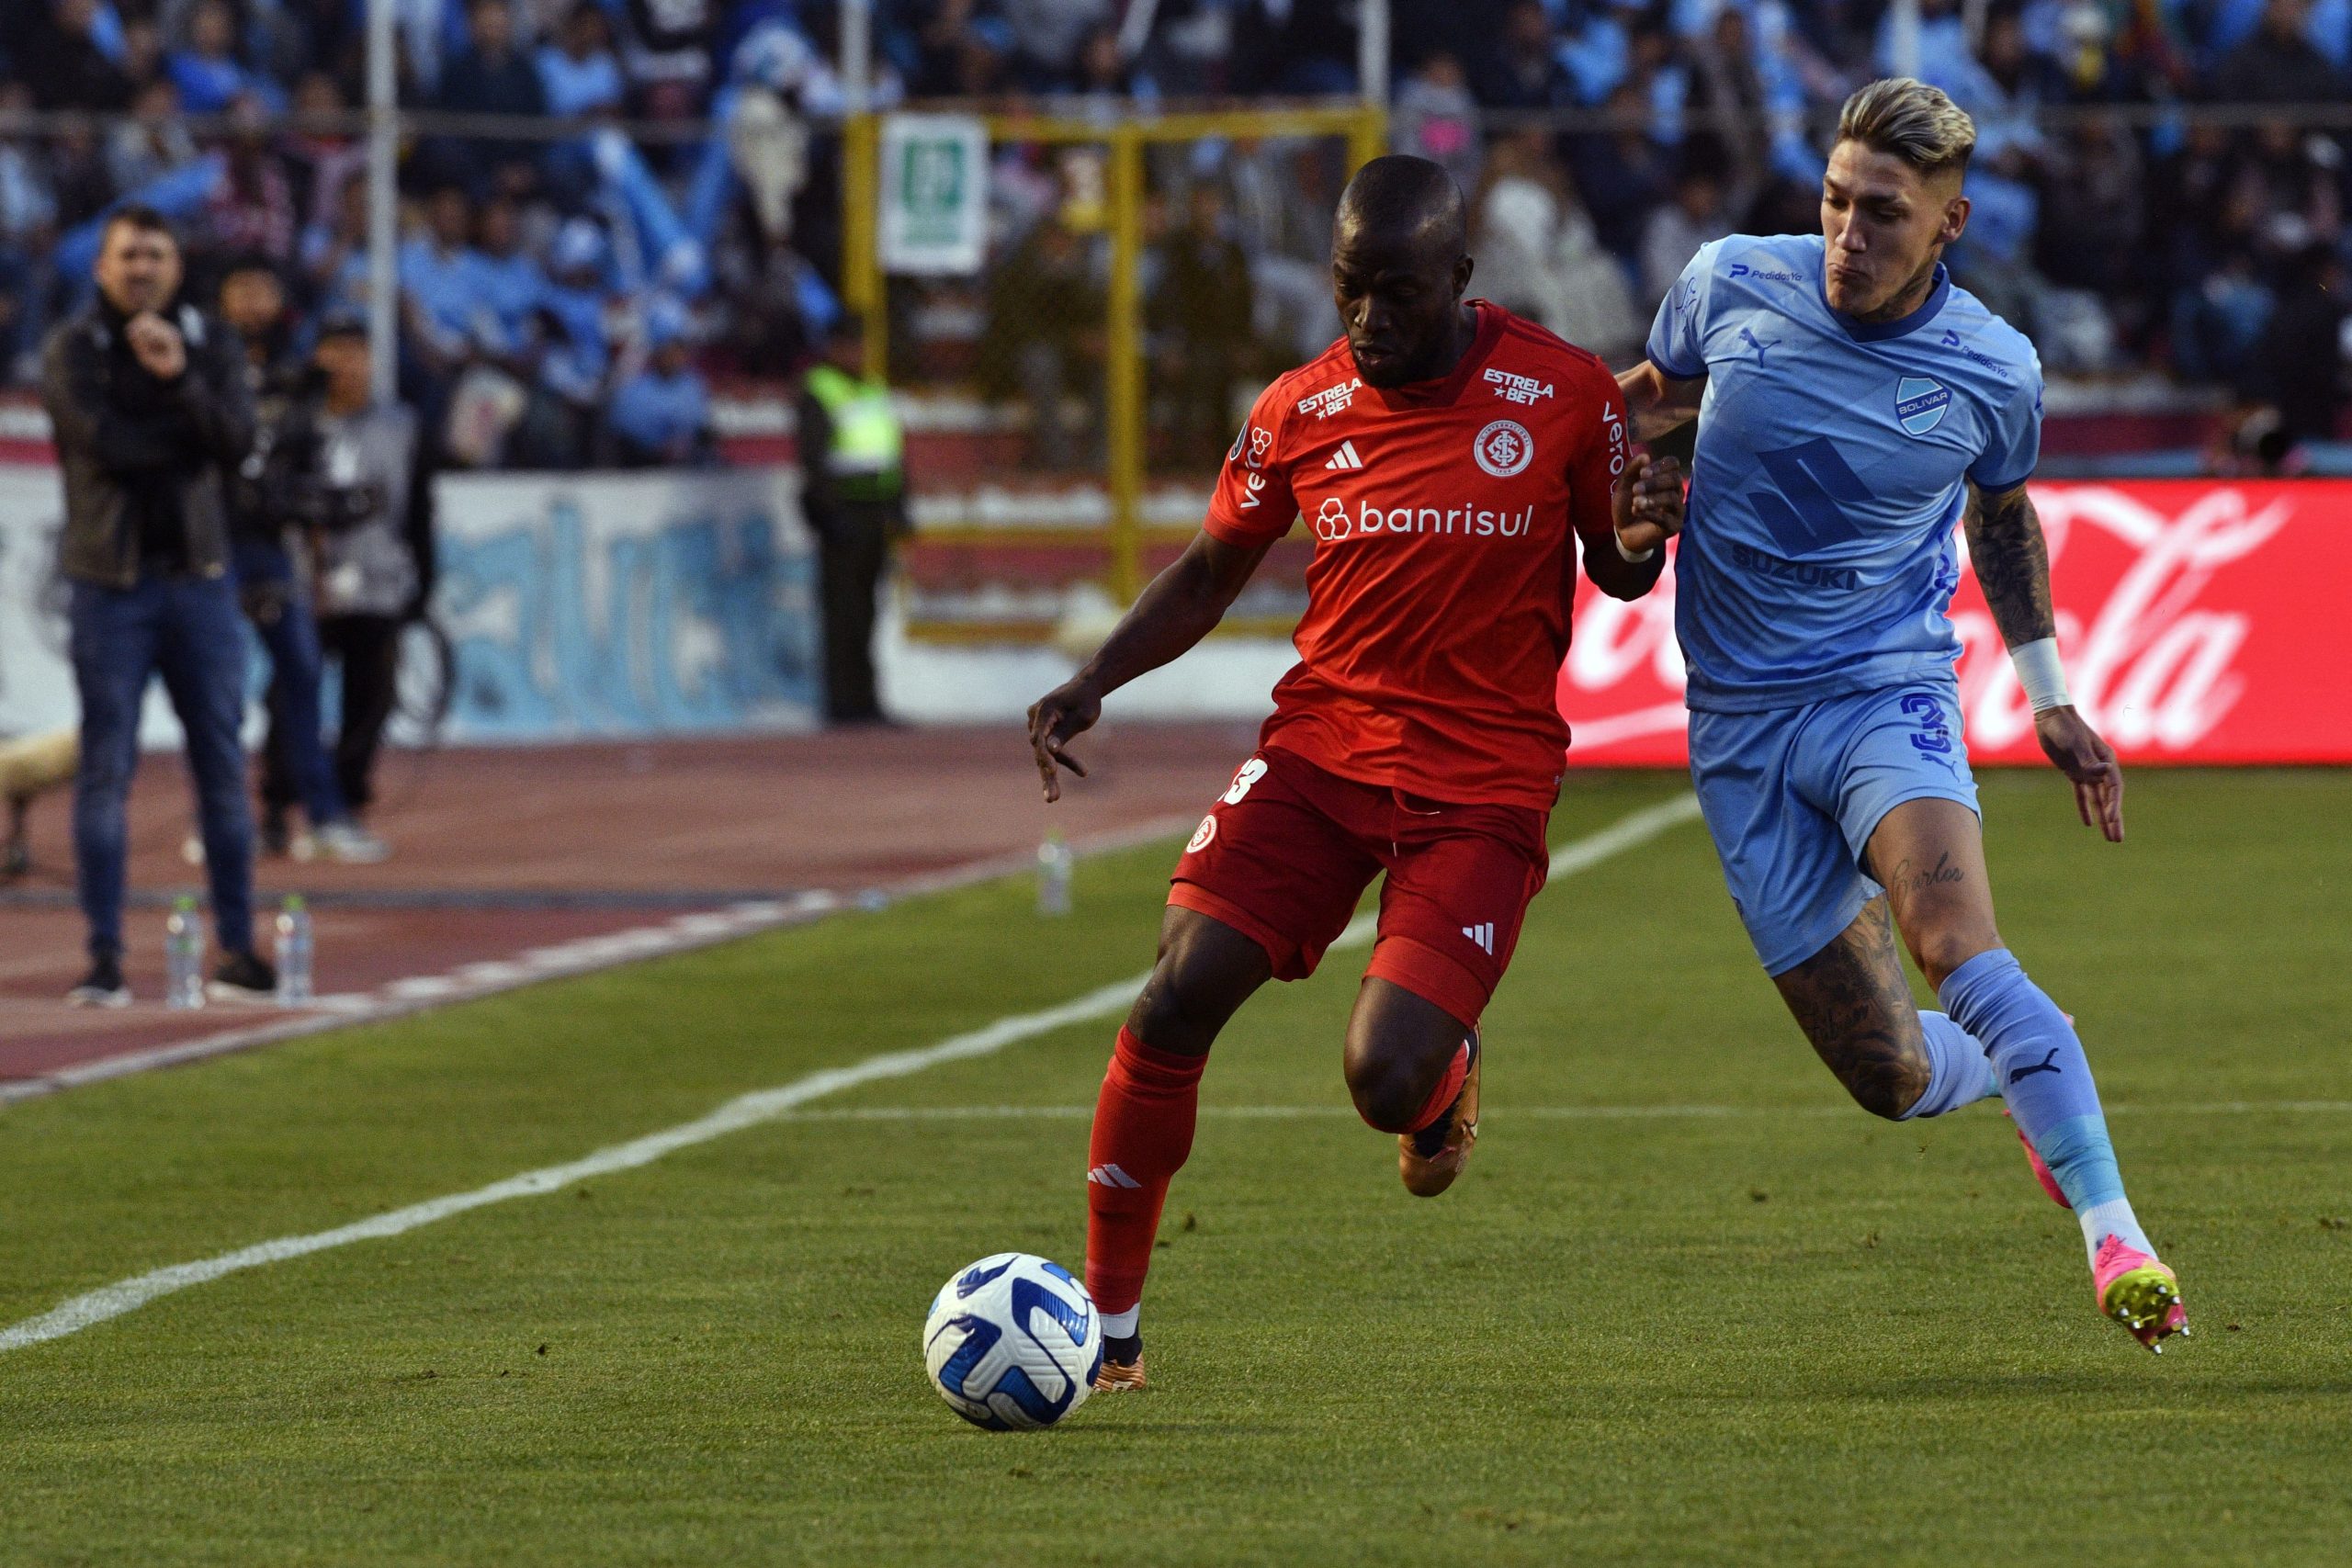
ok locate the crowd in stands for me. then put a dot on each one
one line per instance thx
(564, 295)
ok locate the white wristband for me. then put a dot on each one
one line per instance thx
(2041, 675)
(1627, 556)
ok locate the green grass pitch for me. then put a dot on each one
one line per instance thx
(1752, 1325)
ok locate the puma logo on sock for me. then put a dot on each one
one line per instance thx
(2044, 1066)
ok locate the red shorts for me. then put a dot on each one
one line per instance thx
(1287, 851)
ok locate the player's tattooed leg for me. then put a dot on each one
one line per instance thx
(1853, 1004)
(1929, 854)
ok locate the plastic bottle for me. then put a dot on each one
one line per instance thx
(183, 955)
(1054, 863)
(294, 952)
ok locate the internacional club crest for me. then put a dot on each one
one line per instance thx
(1504, 449)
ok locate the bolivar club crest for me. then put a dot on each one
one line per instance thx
(1919, 404)
(1504, 449)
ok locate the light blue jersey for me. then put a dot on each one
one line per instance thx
(1818, 557)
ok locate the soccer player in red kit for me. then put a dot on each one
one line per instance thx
(1441, 453)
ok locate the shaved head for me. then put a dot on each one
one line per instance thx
(1399, 263)
(1402, 197)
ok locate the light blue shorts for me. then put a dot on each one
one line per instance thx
(1793, 795)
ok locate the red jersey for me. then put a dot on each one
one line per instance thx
(1439, 595)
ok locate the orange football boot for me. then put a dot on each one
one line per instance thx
(1429, 1160)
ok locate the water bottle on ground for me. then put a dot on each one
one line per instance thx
(183, 956)
(294, 952)
(1054, 863)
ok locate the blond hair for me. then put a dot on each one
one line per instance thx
(1908, 120)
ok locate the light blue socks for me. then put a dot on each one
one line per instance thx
(1961, 1073)
(2046, 1080)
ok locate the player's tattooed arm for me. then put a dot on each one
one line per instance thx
(1176, 610)
(1659, 403)
(1852, 1002)
(2012, 563)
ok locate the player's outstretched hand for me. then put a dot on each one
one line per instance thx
(1648, 504)
(2069, 742)
(1059, 716)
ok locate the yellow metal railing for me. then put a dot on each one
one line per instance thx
(863, 285)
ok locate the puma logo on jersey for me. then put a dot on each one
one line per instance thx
(1345, 457)
(1758, 345)
(1482, 933)
(1112, 1176)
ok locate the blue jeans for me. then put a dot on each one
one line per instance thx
(297, 766)
(189, 630)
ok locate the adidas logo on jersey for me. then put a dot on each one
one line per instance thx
(1345, 457)
(1112, 1176)
(1482, 933)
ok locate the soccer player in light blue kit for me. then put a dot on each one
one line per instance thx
(1853, 407)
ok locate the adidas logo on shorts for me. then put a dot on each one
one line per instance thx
(1482, 933)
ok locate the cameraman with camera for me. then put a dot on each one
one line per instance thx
(276, 490)
(363, 489)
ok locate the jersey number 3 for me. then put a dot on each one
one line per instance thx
(1935, 734)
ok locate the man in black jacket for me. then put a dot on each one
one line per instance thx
(149, 406)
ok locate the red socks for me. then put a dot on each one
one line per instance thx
(1449, 1084)
(1143, 1131)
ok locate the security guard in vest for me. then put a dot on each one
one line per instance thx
(852, 462)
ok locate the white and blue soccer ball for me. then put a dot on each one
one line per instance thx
(1013, 1342)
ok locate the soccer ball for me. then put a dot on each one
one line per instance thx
(1013, 1342)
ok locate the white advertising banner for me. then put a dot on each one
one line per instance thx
(627, 605)
(577, 606)
(36, 682)
(934, 194)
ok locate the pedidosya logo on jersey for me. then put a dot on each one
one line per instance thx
(1504, 449)
(1334, 522)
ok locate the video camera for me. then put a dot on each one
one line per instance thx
(292, 478)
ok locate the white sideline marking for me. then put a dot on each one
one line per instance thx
(471, 982)
(745, 1111)
(421, 993)
(1539, 1112)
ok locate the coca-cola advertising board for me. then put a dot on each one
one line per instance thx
(2200, 621)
